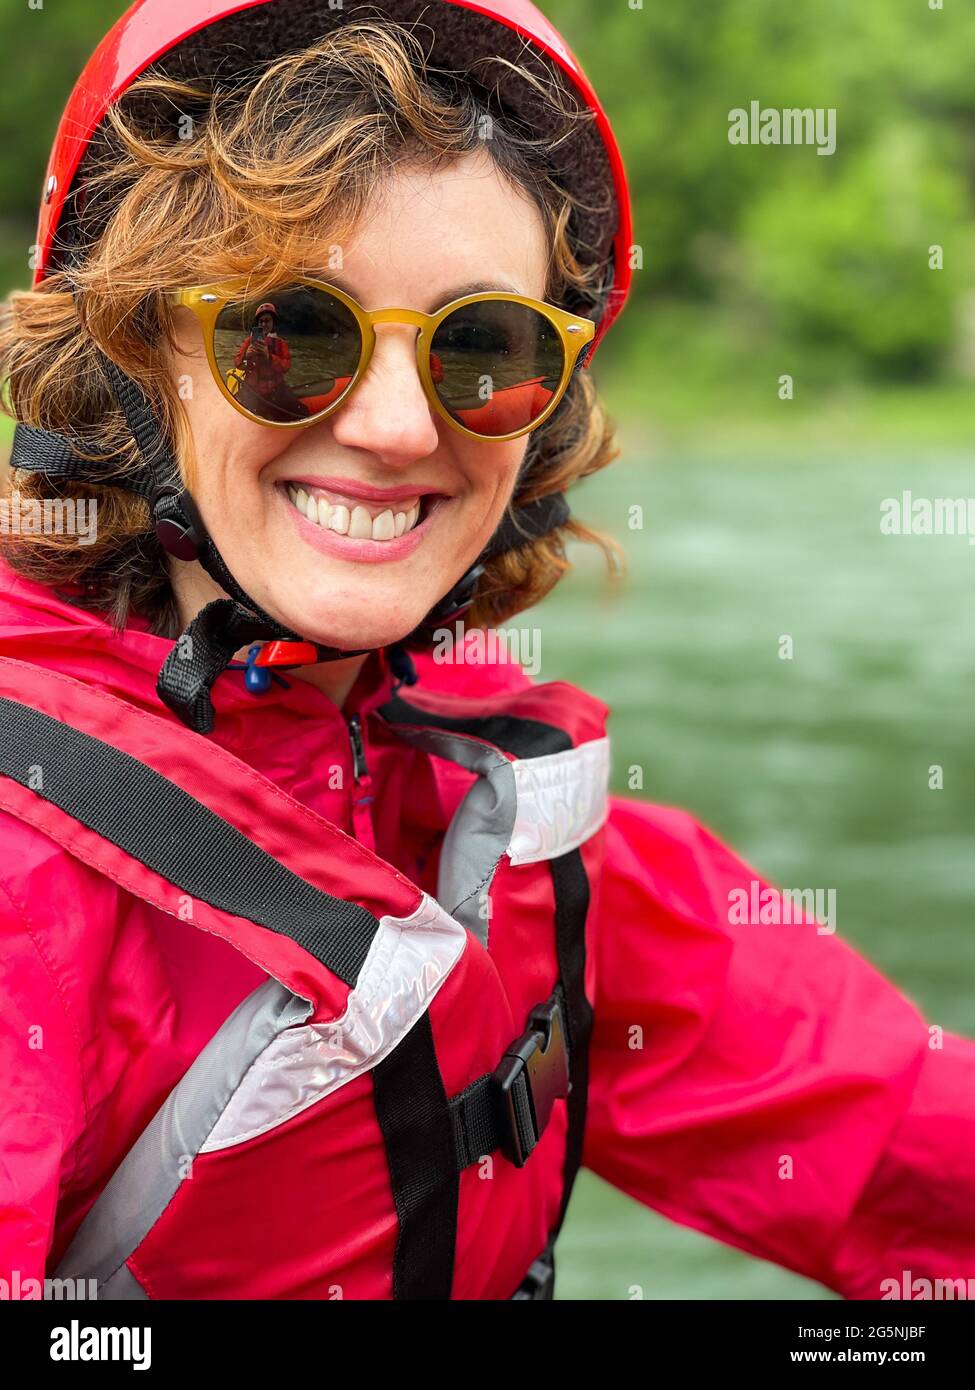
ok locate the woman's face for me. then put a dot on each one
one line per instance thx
(427, 238)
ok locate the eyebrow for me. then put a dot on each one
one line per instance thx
(458, 292)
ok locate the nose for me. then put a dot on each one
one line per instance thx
(388, 413)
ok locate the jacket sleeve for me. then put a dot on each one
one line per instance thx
(43, 1105)
(763, 1083)
(282, 354)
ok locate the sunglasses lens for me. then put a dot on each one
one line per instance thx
(496, 365)
(288, 357)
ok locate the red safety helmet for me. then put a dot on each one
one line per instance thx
(223, 39)
(465, 32)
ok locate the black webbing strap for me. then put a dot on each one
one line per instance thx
(414, 1116)
(424, 1175)
(56, 456)
(480, 1126)
(170, 832)
(524, 738)
(198, 657)
(60, 456)
(476, 1119)
(141, 419)
(509, 1108)
(571, 883)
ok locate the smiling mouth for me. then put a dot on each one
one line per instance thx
(358, 519)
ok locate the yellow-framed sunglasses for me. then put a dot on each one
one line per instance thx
(493, 365)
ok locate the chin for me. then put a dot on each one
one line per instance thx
(353, 611)
(368, 629)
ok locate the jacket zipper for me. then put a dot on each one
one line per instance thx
(359, 768)
(362, 790)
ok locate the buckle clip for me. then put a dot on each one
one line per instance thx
(531, 1076)
(538, 1284)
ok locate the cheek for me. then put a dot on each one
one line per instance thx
(494, 469)
(229, 449)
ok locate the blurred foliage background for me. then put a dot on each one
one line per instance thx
(752, 254)
(759, 515)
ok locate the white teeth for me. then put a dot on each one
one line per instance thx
(360, 527)
(384, 527)
(359, 524)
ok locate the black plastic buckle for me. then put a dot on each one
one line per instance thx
(538, 1285)
(531, 1076)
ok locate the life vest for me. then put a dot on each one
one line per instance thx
(454, 1029)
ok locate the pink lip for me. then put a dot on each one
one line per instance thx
(369, 552)
(353, 489)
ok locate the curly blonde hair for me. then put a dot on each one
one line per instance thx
(189, 181)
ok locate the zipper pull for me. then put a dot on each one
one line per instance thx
(359, 768)
(362, 792)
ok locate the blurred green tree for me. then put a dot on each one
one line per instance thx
(822, 255)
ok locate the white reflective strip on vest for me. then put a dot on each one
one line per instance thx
(562, 801)
(408, 961)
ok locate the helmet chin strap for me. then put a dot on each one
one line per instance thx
(208, 644)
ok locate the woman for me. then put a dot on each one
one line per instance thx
(324, 984)
(261, 365)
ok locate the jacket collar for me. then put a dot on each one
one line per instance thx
(39, 626)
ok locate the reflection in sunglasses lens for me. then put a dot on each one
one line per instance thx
(290, 356)
(496, 365)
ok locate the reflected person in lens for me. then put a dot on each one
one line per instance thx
(265, 360)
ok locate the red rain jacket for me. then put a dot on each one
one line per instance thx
(763, 1084)
(264, 372)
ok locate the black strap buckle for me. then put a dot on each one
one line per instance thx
(531, 1076)
(538, 1285)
